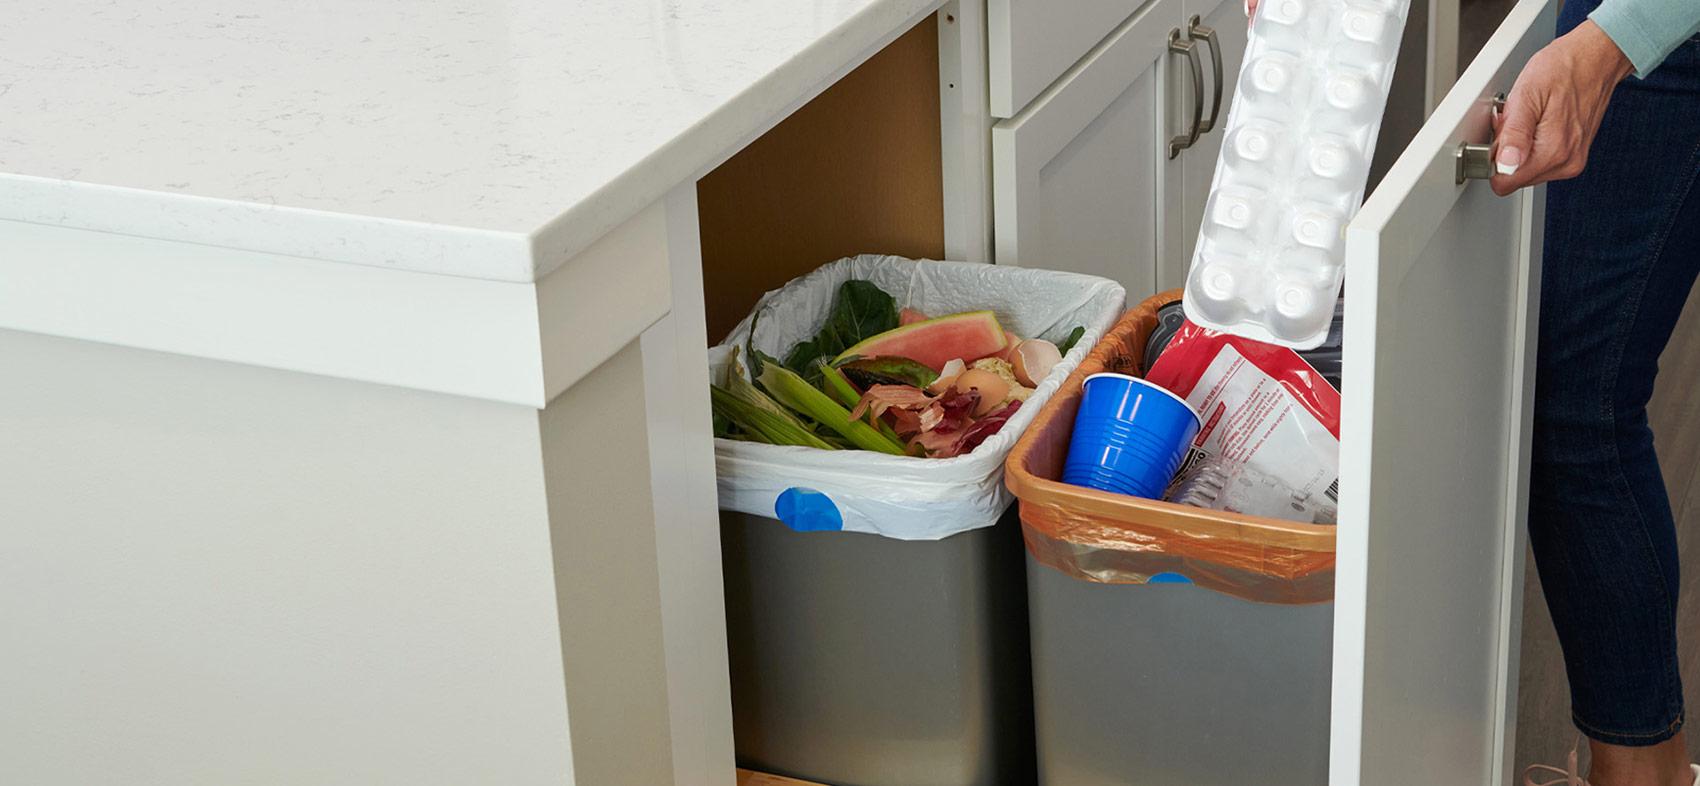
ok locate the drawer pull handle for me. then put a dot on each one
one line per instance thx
(1475, 161)
(1196, 30)
(1180, 46)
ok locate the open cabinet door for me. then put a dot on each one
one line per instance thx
(1442, 290)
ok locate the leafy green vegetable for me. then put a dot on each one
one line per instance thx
(789, 388)
(867, 372)
(1073, 338)
(861, 309)
(802, 357)
(761, 424)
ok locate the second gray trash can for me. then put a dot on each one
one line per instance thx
(1221, 682)
(1176, 685)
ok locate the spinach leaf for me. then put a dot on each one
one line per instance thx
(802, 357)
(861, 310)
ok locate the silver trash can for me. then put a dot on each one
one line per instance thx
(861, 660)
(1176, 685)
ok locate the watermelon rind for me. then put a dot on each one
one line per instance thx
(970, 335)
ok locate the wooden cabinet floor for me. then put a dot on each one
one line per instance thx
(749, 778)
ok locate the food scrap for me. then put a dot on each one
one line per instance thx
(897, 381)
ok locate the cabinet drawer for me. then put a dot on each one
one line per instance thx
(1032, 42)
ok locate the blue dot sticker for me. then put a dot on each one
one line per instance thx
(1168, 578)
(807, 510)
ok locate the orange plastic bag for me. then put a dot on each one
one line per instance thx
(1117, 539)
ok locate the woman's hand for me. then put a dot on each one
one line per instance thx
(1555, 108)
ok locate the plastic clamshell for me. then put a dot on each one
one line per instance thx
(1294, 163)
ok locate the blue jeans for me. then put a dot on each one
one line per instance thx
(1622, 252)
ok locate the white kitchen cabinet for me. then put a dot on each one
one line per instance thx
(407, 476)
(1103, 173)
(1219, 28)
(1032, 42)
(1081, 177)
(1442, 285)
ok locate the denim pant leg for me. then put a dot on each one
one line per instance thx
(1622, 252)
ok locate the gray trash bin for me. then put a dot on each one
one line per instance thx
(1223, 681)
(1176, 685)
(860, 660)
(877, 604)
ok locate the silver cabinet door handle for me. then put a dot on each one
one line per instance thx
(1180, 46)
(1195, 30)
(1475, 161)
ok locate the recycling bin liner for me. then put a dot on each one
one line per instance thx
(1113, 538)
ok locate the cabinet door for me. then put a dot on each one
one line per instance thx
(1442, 294)
(1032, 42)
(1226, 18)
(1080, 178)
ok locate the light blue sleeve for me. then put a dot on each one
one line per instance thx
(1647, 30)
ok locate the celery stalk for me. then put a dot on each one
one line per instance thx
(794, 392)
(738, 386)
(835, 384)
(761, 424)
(840, 388)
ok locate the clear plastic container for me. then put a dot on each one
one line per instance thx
(1293, 167)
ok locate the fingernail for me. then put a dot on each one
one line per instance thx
(1247, 9)
(1509, 159)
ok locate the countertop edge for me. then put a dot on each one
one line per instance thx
(304, 233)
(744, 116)
(516, 255)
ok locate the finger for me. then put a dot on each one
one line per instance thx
(1250, 9)
(1515, 142)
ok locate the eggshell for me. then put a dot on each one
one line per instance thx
(947, 376)
(1033, 360)
(993, 389)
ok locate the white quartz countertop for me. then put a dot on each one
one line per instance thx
(482, 138)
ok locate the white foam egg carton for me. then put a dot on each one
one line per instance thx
(1294, 162)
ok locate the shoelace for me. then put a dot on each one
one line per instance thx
(1570, 773)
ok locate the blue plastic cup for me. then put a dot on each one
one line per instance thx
(1130, 436)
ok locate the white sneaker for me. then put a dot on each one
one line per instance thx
(1570, 776)
(1569, 773)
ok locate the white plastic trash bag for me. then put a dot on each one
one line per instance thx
(901, 496)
